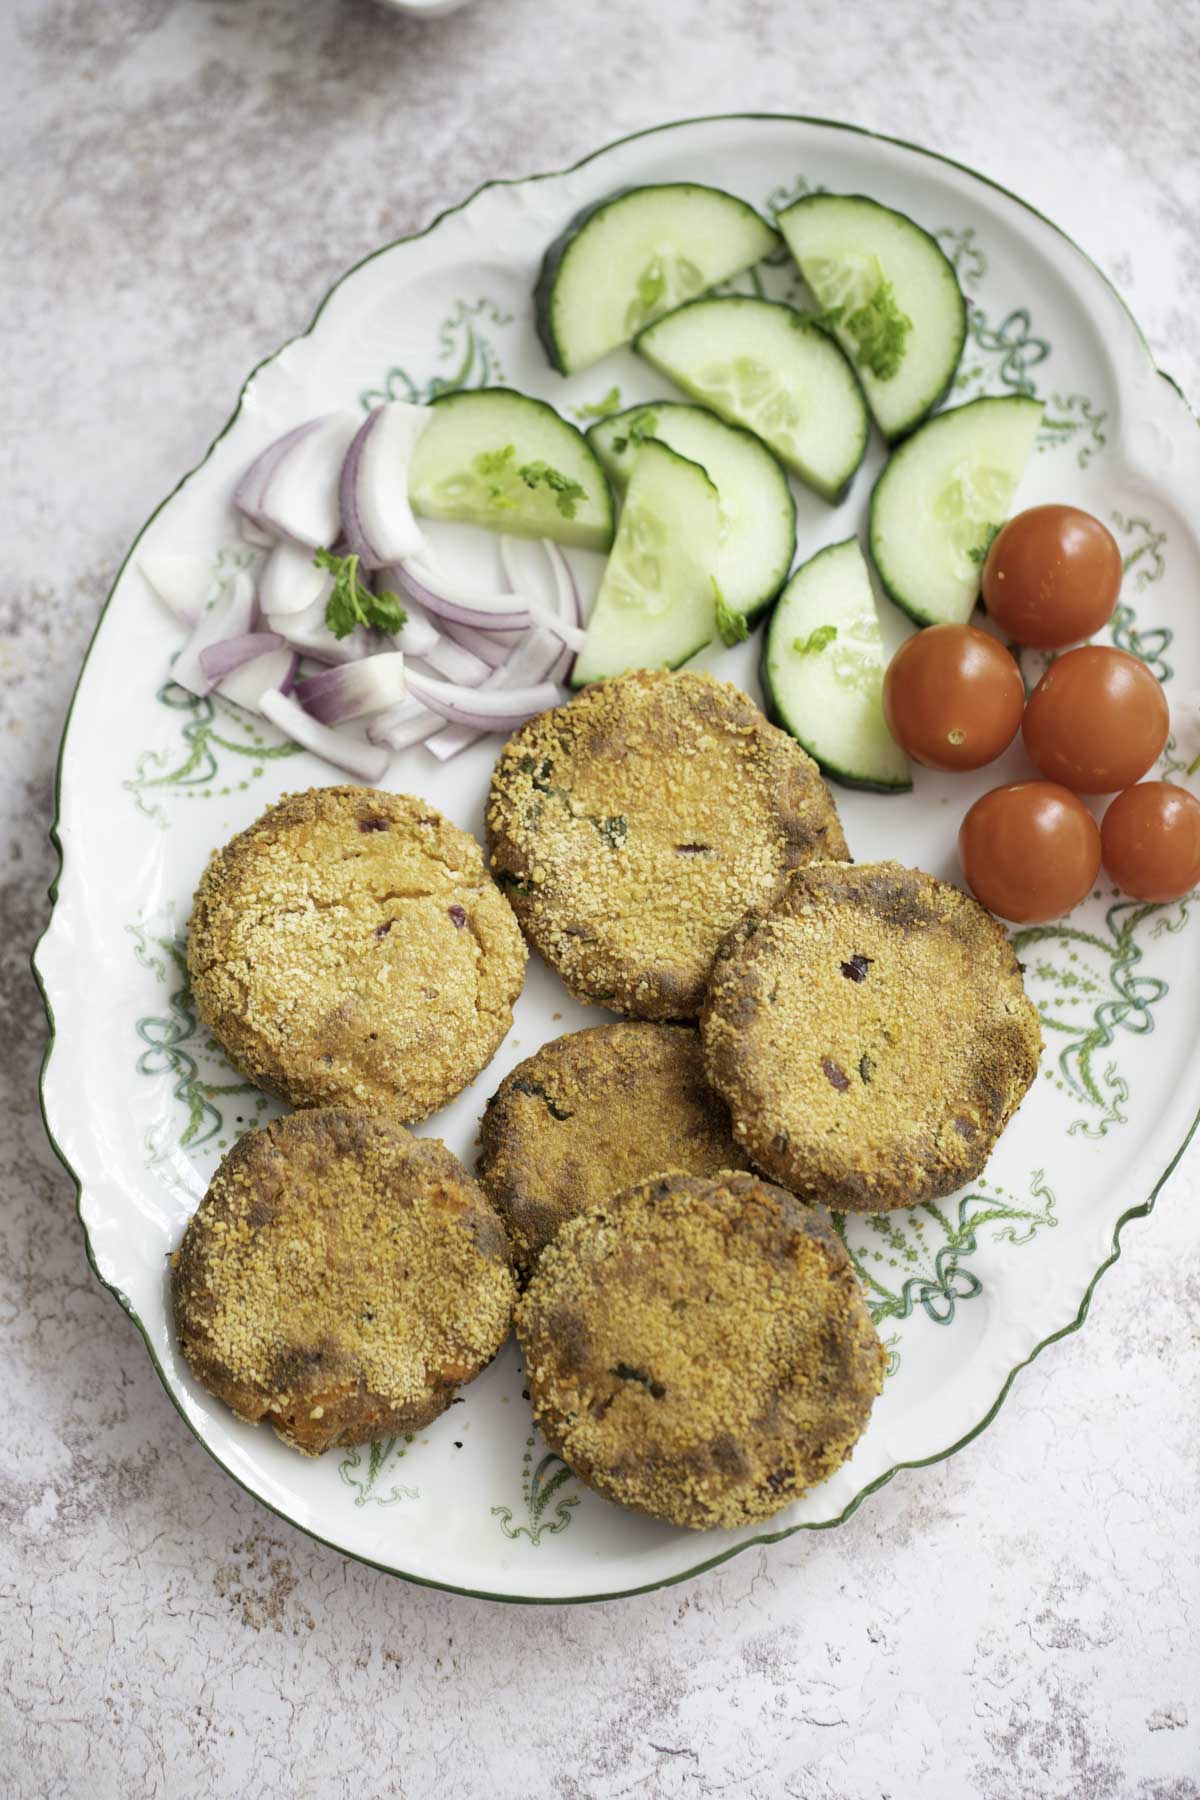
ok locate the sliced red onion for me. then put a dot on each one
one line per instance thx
(566, 587)
(232, 653)
(291, 582)
(247, 685)
(249, 493)
(453, 663)
(299, 497)
(231, 615)
(337, 695)
(180, 582)
(373, 485)
(418, 632)
(308, 633)
(403, 726)
(492, 647)
(254, 534)
(485, 709)
(345, 750)
(449, 599)
(541, 574)
(538, 657)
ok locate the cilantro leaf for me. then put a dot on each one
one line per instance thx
(495, 462)
(566, 491)
(816, 640)
(732, 626)
(352, 602)
(879, 330)
(645, 425)
(601, 409)
(979, 552)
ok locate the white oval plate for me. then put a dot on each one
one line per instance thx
(140, 1104)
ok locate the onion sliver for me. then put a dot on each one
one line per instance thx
(291, 582)
(351, 692)
(308, 633)
(536, 658)
(300, 496)
(405, 725)
(377, 520)
(492, 647)
(448, 599)
(223, 658)
(488, 709)
(453, 663)
(249, 493)
(366, 762)
(230, 615)
(247, 685)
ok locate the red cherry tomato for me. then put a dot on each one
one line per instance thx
(1150, 841)
(953, 697)
(1096, 721)
(1030, 851)
(1052, 576)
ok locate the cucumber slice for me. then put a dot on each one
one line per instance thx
(758, 513)
(939, 499)
(657, 604)
(508, 462)
(901, 318)
(822, 671)
(635, 256)
(764, 365)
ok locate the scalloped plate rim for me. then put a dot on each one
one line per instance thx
(1140, 1209)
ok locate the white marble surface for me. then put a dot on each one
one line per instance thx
(183, 179)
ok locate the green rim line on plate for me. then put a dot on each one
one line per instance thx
(1139, 1210)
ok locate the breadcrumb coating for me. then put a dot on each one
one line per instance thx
(589, 1115)
(700, 1349)
(340, 1279)
(871, 1034)
(634, 826)
(351, 948)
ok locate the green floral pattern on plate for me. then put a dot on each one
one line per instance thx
(364, 1472)
(540, 1483)
(174, 1048)
(1089, 989)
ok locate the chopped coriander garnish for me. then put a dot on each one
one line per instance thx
(979, 552)
(566, 491)
(500, 473)
(879, 330)
(732, 626)
(352, 602)
(816, 640)
(644, 426)
(601, 409)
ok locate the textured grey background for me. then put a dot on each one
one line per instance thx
(183, 179)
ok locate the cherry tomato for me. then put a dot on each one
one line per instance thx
(1052, 576)
(1096, 721)
(1029, 851)
(953, 697)
(1150, 841)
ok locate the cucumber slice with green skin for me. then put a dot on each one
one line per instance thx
(634, 256)
(939, 500)
(822, 671)
(758, 513)
(657, 604)
(762, 364)
(508, 462)
(902, 317)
